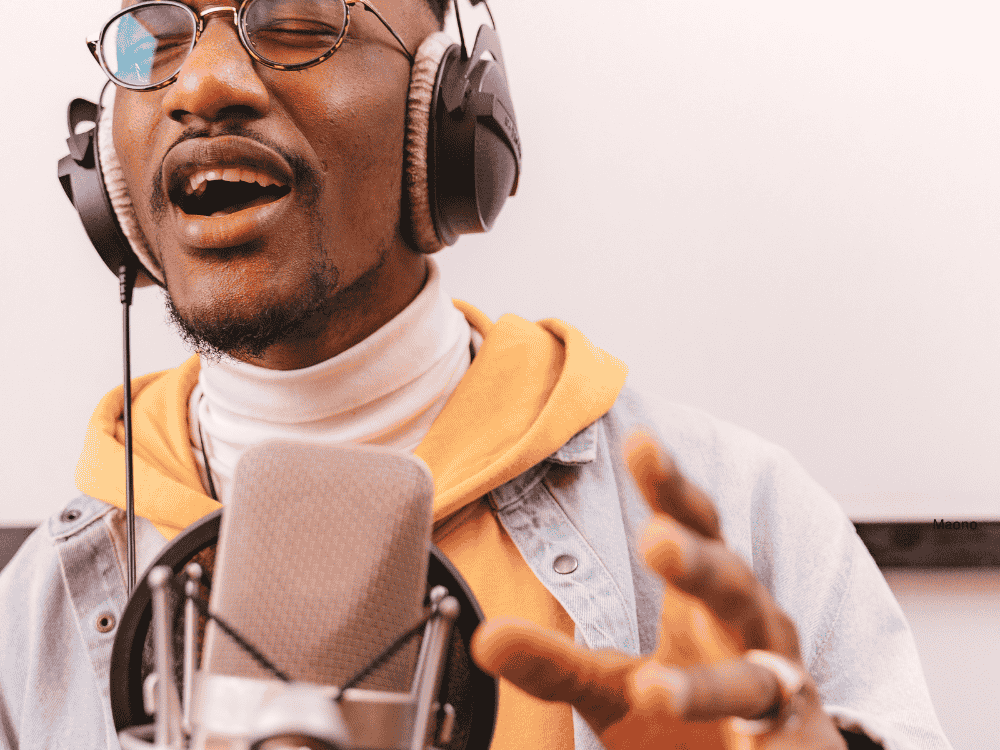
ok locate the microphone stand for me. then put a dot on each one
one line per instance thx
(228, 711)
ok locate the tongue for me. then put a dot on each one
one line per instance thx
(241, 206)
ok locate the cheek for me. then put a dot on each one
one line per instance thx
(133, 131)
(359, 142)
(126, 122)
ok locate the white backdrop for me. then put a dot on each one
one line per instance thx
(785, 213)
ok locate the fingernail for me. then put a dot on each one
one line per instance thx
(665, 546)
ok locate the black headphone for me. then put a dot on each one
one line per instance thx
(462, 153)
(82, 180)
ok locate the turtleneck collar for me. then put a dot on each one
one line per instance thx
(386, 390)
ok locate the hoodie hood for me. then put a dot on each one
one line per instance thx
(530, 388)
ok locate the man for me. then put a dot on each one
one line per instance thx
(269, 203)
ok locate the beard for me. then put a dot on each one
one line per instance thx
(213, 333)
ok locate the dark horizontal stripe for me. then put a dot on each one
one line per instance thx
(924, 544)
(11, 538)
(894, 544)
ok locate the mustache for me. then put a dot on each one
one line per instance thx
(306, 179)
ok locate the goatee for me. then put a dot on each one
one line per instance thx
(214, 333)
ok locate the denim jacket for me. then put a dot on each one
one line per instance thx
(63, 593)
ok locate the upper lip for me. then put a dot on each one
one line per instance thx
(220, 152)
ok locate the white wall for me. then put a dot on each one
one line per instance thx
(785, 213)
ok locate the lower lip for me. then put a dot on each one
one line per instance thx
(238, 228)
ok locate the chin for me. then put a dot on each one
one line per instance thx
(244, 320)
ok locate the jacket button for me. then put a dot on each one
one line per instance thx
(105, 622)
(68, 516)
(565, 564)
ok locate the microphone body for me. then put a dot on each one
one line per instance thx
(322, 561)
(321, 566)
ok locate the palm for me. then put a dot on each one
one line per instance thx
(713, 611)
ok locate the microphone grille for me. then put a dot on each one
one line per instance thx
(322, 562)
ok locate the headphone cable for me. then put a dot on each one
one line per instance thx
(126, 283)
(461, 34)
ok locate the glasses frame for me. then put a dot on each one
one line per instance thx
(239, 21)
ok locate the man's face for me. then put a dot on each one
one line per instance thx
(314, 262)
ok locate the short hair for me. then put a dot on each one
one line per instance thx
(438, 7)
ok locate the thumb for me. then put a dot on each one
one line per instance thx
(552, 667)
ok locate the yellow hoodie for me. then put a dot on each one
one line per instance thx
(530, 388)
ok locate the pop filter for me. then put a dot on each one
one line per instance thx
(472, 692)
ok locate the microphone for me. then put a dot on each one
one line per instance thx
(321, 567)
(322, 559)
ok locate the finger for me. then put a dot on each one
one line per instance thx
(704, 692)
(665, 488)
(552, 667)
(718, 577)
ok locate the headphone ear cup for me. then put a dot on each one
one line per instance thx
(462, 149)
(92, 180)
(81, 179)
(475, 150)
(113, 178)
(419, 101)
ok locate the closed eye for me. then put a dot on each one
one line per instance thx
(296, 33)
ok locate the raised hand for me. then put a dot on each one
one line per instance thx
(633, 702)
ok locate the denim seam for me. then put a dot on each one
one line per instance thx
(822, 642)
(77, 527)
(519, 497)
(579, 449)
(515, 523)
(586, 541)
(613, 429)
(92, 545)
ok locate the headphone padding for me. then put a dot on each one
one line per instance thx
(114, 184)
(418, 122)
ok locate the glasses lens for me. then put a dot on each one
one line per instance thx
(148, 45)
(293, 32)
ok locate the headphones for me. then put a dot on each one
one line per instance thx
(462, 157)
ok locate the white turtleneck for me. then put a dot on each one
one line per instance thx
(386, 390)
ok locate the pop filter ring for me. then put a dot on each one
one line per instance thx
(126, 654)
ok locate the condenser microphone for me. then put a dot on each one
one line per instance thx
(319, 635)
(322, 559)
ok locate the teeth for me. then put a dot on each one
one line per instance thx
(198, 181)
(248, 175)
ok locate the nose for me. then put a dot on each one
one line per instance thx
(218, 79)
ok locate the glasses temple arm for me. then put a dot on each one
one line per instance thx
(371, 9)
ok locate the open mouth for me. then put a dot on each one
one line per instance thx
(227, 190)
(220, 192)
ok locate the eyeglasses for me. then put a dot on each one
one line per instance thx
(144, 46)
